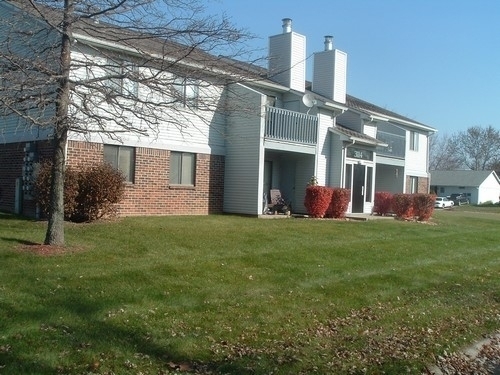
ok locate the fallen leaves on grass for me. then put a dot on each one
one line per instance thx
(481, 359)
(359, 340)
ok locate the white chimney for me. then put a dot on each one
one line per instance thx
(330, 72)
(287, 58)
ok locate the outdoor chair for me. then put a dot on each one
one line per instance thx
(277, 203)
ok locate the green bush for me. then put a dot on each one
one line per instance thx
(89, 193)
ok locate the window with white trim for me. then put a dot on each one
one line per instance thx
(413, 185)
(118, 71)
(121, 158)
(182, 168)
(186, 92)
(413, 141)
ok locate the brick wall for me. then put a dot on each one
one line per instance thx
(422, 185)
(11, 168)
(150, 194)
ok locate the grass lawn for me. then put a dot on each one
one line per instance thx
(238, 295)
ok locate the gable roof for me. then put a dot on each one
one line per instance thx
(193, 58)
(460, 178)
(371, 109)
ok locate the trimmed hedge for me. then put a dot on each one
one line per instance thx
(89, 194)
(383, 203)
(339, 203)
(423, 206)
(317, 200)
(413, 206)
(402, 205)
(42, 188)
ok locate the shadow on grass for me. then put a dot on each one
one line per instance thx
(19, 241)
(96, 338)
(10, 216)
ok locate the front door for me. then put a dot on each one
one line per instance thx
(358, 188)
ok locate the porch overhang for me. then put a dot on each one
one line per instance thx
(351, 135)
(301, 148)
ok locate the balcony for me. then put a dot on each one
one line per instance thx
(396, 145)
(290, 126)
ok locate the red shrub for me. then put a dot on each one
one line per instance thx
(100, 187)
(42, 188)
(383, 203)
(89, 193)
(423, 206)
(317, 200)
(339, 203)
(402, 205)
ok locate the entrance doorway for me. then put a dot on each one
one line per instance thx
(358, 188)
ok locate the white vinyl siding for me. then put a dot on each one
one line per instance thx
(416, 161)
(324, 144)
(414, 140)
(330, 74)
(14, 36)
(179, 129)
(244, 179)
(290, 68)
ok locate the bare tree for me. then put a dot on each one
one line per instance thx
(443, 153)
(478, 147)
(107, 68)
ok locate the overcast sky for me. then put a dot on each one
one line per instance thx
(435, 61)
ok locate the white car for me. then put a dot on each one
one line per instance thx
(443, 202)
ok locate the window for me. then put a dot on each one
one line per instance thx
(182, 168)
(186, 91)
(117, 71)
(413, 185)
(348, 176)
(122, 158)
(369, 182)
(413, 141)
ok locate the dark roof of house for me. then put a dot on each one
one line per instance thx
(167, 47)
(364, 106)
(460, 178)
(369, 108)
(144, 42)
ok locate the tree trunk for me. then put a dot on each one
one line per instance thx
(55, 229)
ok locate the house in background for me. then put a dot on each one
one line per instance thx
(229, 160)
(478, 186)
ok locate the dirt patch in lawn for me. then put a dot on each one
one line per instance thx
(47, 250)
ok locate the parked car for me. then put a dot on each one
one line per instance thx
(459, 199)
(443, 202)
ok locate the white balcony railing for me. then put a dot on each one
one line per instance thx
(285, 125)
